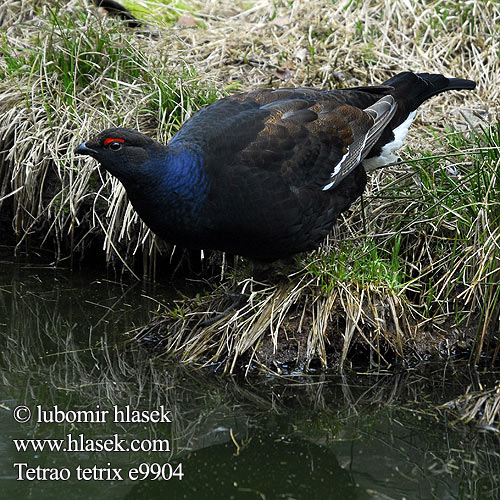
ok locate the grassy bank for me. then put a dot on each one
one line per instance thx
(410, 273)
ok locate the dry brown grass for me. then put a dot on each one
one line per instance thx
(285, 327)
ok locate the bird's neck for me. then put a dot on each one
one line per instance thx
(185, 176)
(174, 185)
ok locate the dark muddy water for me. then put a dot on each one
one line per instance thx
(86, 415)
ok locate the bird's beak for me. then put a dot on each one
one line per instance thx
(82, 149)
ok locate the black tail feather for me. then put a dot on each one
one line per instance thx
(417, 88)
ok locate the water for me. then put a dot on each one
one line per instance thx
(64, 349)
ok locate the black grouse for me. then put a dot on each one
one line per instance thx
(113, 8)
(266, 173)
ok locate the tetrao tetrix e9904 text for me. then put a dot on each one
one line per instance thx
(265, 174)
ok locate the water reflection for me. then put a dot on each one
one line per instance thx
(358, 437)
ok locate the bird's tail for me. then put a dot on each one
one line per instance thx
(417, 88)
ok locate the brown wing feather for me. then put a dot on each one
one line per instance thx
(315, 143)
(308, 137)
(365, 136)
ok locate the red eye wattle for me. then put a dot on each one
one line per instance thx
(111, 139)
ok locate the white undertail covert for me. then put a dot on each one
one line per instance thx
(387, 154)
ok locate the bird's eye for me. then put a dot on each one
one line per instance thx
(115, 145)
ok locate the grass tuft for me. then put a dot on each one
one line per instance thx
(417, 277)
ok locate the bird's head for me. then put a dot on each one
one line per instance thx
(125, 153)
